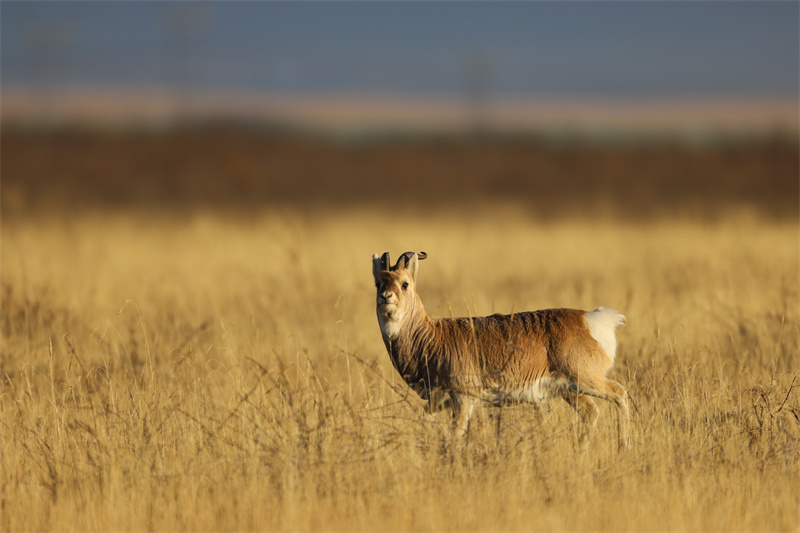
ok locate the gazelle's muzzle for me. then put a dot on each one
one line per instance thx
(387, 297)
(387, 304)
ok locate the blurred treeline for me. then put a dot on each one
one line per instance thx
(241, 168)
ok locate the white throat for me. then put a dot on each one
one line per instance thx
(390, 327)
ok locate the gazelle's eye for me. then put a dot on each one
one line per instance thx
(377, 285)
(405, 285)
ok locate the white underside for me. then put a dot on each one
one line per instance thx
(538, 392)
(602, 323)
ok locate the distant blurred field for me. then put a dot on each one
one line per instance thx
(189, 339)
(257, 167)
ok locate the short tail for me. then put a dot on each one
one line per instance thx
(602, 324)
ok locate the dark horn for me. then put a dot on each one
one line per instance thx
(402, 261)
(385, 261)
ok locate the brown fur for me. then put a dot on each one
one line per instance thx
(461, 362)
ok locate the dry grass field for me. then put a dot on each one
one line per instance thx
(192, 368)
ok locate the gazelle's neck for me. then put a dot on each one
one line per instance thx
(393, 329)
(402, 337)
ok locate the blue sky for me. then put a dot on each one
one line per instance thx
(516, 49)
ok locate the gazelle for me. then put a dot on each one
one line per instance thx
(524, 357)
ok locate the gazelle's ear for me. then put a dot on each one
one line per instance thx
(410, 261)
(413, 266)
(376, 265)
(379, 264)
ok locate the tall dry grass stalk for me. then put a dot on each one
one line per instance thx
(216, 373)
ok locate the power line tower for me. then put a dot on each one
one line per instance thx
(185, 25)
(48, 41)
(478, 70)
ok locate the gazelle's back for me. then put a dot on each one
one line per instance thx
(521, 348)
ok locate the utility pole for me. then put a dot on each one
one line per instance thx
(478, 73)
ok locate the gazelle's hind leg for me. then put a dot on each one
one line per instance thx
(588, 412)
(619, 396)
(463, 405)
(579, 397)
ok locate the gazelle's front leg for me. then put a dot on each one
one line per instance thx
(438, 400)
(463, 405)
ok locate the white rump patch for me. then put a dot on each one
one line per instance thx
(602, 323)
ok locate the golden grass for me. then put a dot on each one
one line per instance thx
(211, 372)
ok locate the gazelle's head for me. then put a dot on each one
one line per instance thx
(396, 289)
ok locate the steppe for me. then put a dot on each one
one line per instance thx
(189, 339)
